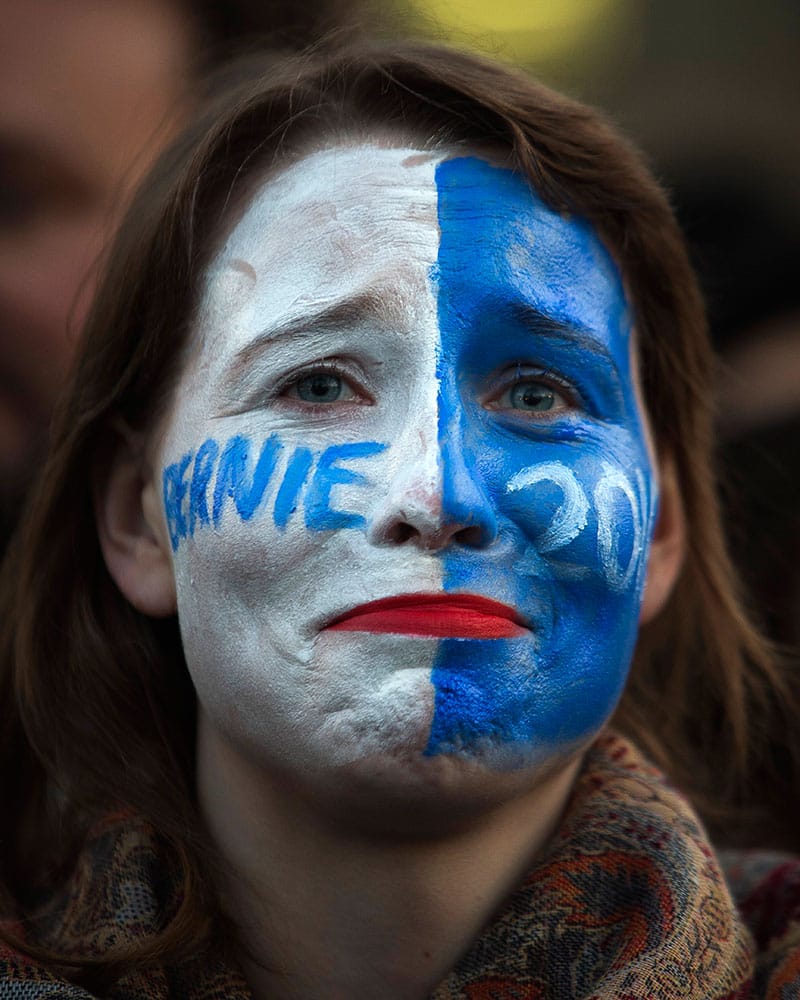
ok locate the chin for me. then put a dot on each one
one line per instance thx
(412, 793)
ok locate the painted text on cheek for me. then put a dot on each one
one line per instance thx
(202, 485)
(570, 517)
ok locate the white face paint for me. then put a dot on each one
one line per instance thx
(329, 265)
(411, 386)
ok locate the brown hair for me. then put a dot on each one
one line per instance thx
(100, 704)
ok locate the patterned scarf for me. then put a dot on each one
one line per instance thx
(628, 902)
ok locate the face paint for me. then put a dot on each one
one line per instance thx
(521, 290)
(405, 476)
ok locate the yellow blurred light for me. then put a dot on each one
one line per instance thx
(527, 29)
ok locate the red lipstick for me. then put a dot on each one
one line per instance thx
(450, 616)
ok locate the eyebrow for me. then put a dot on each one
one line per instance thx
(345, 313)
(542, 325)
(332, 317)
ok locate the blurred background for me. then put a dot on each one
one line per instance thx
(91, 89)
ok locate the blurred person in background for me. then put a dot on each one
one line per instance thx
(90, 91)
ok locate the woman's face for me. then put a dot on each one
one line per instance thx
(405, 477)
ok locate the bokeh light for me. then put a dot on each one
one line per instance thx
(531, 31)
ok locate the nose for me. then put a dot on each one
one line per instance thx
(434, 496)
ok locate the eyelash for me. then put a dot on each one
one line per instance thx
(338, 368)
(521, 374)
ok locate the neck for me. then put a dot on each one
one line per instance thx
(329, 910)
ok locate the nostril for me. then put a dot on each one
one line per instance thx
(400, 532)
(471, 536)
(430, 528)
(431, 532)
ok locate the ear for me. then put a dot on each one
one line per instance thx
(667, 546)
(131, 528)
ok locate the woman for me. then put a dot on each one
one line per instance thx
(389, 428)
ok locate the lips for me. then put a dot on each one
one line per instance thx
(446, 616)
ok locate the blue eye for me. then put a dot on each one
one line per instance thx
(324, 386)
(534, 393)
(319, 387)
(535, 397)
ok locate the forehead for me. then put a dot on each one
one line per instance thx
(391, 224)
(339, 216)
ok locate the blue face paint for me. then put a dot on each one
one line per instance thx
(174, 487)
(204, 464)
(288, 495)
(235, 480)
(573, 499)
(329, 473)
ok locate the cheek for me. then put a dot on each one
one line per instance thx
(232, 575)
(573, 548)
(268, 679)
(587, 514)
(271, 482)
(240, 590)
